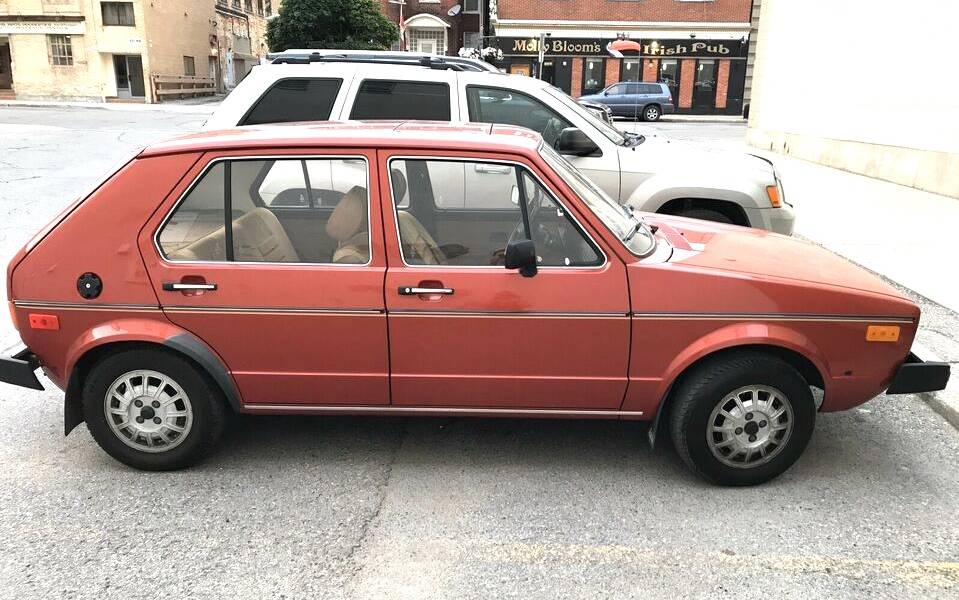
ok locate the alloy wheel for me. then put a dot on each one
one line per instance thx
(148, 411)
(750, 426)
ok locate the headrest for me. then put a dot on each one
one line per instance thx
(399, 185)
(349, 216)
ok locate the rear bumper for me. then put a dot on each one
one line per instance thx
(18, 369)
(916, 376)
(668, 108)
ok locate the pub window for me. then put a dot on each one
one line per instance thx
(594, 75)
(669, 74)
(60, 48)
(117, 13)
(189, 66)
(631, 69)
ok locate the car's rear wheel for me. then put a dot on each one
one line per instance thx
(742, 419)
(706, 214)
(651, 113)
(152, 409)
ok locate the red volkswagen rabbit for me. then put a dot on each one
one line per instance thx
(436, 269)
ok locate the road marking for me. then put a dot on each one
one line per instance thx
(929, 574)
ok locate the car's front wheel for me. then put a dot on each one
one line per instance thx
(651, 113)
(742, 418)
(152, 409)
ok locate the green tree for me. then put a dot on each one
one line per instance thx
(341, 24)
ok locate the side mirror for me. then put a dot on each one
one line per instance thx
(606, 92)
(521, 255)
(573, 141)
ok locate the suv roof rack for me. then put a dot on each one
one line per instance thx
(422, 61)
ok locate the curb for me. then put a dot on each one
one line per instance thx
(946, 409)
(206, 108)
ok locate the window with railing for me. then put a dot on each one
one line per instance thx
(60, 49)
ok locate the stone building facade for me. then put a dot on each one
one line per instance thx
(117, 51)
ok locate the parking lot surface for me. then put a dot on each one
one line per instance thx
(301, 507)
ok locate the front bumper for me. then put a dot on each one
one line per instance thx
(916, 376)
(18, 369)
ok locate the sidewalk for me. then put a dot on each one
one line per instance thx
(674, 118)
(203, 105)
(905, 234)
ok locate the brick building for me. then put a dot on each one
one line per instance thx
(697, 47)
(438, 26)
(127, 50)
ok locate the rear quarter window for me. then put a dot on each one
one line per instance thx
(290, 100)
(383, 99)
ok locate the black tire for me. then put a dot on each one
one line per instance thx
(709, 385)
(651, 113)
(705, 214)
(207, 409)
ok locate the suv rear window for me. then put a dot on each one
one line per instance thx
(292, 100)
(381, 99)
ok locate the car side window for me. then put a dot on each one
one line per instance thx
(617, 90)
(289, 210)
(652, 88)
(290, 100)
(383, 99)
(494, 105)
(466, 212)
(633, 88)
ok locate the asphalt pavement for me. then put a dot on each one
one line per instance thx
(301, 507)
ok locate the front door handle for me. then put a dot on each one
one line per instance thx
(189, 287)
(416, 291)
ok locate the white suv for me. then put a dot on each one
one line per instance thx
(652, 174)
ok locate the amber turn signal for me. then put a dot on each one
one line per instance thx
(882, 333)
(773, 193)
(48, 322)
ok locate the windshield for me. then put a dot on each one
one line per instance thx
(630, 230)
(613, 134)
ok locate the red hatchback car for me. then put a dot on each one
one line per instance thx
(436, 269)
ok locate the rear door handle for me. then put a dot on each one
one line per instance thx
(188, 287)
(416, 291)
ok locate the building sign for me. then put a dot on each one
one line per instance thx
(54, 27)
(553, 47)
(687, 48)
(693, 48)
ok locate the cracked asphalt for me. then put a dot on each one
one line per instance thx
(344, 508)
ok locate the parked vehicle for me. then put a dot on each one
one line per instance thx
(510, 285)
(635, 100)
(652, 174)
(600, 111)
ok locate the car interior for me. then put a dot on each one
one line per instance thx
(276, 217)
(316, 211)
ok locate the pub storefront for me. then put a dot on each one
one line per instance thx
(705, 76)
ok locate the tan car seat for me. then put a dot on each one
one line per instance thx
(258, 236)
(419, 247)
(348, 226)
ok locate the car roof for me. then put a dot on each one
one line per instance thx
(383, 56)
(360, 134)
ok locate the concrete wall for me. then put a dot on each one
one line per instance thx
(867, 87)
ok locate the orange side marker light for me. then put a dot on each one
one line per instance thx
(882, 333)
(48, 322)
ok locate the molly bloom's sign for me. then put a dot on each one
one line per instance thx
(552, 46)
